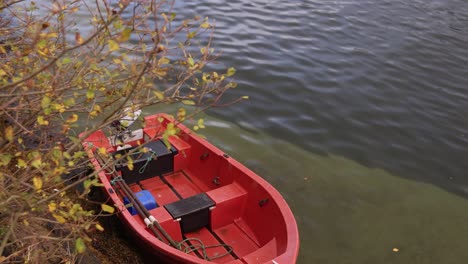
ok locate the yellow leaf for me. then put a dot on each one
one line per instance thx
(99, 227)
(97, 108)
(163, 60)
(52, 207)
(201, 123)
(181, 113)
(230, 72)
(22, 163)
(159, 95)
(9, 133)
(113, 45)
(125, 35)
(130, 163)
(59, 107)
(205, 25)
(107, 208)
(72, 119)
(102, 151)
(37, 162)
(41, 121)
(188, 102)
(37, 181)
(52, 35)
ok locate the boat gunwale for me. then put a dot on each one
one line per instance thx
(291, 250)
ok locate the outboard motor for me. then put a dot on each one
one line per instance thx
(121, 127)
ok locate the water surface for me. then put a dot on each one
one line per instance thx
(357, 115)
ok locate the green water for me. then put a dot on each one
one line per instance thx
(349, 213)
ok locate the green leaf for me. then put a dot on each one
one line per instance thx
(90, 94)
(80, 246)
(42, 44)
(190, 61)
(87, 184)
(230, 72)
(66, 60)
(107, 208)
(5, 159)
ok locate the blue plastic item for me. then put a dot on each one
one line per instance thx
(146, 198)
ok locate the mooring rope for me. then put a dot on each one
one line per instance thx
(185, 247)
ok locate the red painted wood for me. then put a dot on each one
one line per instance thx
(182, 184)
(182, 158)
(135, 188)
(262, 255)
(207, 238)
(230, 203)
(233, 236)
(161, 192)
(98, 140)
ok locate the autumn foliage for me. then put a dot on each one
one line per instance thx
(58, 79)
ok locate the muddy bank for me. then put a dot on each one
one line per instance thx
(114, 245)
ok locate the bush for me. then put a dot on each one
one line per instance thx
(56, 80)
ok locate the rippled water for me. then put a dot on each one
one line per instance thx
(341, 87)
(383, 83)
(380, 82)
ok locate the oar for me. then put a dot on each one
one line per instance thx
(149, 220)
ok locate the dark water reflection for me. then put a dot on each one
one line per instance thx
(380, 82)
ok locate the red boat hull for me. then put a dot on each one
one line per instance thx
(203, 196)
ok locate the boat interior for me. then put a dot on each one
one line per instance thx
(198, 194)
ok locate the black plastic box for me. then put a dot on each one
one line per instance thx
(194, 212)
(154, 162)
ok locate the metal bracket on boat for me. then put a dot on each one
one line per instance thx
(216, 180)
(204, 156)
(263, 202)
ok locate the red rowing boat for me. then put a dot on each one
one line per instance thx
(206, 206)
